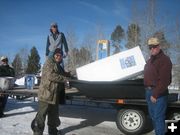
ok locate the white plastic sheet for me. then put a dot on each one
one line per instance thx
(6, 83)
(116, 67)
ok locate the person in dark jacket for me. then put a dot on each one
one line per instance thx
(55, 40)
(157, 77)
(5, 71)
(52, 83)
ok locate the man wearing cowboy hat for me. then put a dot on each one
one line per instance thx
(157, 77)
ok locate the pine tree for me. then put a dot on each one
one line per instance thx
(33, 62)
(17, 65)
(116, 37)
(133, 34)
(85, 56)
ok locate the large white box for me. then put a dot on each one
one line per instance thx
(116, 67)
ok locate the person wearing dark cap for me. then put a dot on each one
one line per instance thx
(55, 40)
(5, 71)
(52, 83)
(157, 77)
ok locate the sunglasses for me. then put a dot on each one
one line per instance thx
(153, 46)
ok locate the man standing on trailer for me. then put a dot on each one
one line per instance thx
(56, 39)
(157, 77)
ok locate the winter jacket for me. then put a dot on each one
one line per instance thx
(157, 74)
(52, 82)
(6, 70)
(56, 41)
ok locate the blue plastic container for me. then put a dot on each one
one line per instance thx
(29, 80)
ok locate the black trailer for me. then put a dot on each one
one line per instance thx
(129, 100)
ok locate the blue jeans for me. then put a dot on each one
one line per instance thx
(157, 112)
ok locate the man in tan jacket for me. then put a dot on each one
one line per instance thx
(52, 83)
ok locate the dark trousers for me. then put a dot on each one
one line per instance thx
(52, 113)
(3, 101)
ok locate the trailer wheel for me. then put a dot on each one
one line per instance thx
(131, 121)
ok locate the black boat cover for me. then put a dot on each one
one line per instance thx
(126, 89)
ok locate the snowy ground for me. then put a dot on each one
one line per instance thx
(75, 119)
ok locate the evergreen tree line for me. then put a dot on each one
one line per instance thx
(26, 65)
(134, 38)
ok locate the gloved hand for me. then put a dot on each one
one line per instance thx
(67, 74)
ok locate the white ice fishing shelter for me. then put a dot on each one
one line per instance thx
(116, 67)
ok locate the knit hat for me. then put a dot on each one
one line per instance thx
(153, 41)
(58, 50)
(54, 24)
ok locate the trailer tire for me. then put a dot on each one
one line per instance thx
(174, 116)
(131, 121)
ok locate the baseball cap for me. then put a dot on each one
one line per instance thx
(153, 41)
(3, 58)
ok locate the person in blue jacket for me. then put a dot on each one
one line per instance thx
(56, 39)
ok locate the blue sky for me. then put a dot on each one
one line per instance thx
(25, 23)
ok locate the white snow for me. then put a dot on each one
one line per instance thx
(21, 81)
(75, 119)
